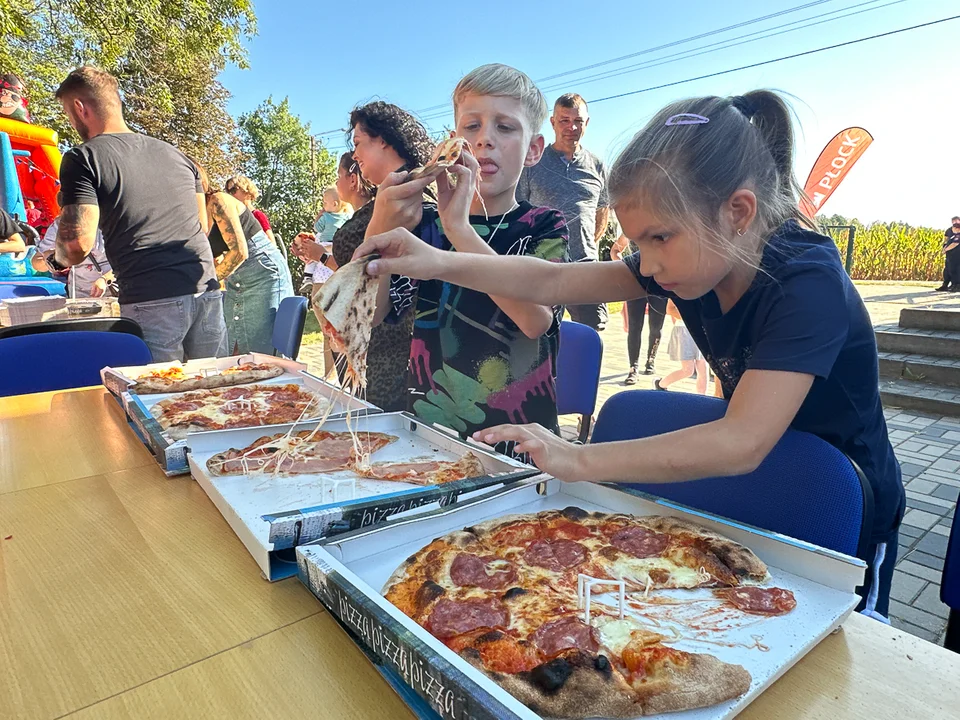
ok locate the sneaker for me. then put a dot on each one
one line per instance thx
(942, 288)
(648, 368)
(631, 377)
(656, 384)
(306, 289)
(954, 288)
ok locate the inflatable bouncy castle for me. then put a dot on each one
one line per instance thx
(29, 169)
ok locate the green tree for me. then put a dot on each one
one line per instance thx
(278, 157)
(166, 56)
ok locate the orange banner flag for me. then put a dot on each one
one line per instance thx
(832, 167)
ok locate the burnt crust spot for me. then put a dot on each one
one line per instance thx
(513, 592)
(551, 676)
(602, 664)
(609, 552)
(574, 513)
(427, 593)
(491, 636)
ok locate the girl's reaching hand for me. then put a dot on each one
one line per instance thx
(401, 253)
(552, 454)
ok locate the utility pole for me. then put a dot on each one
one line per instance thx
(313, 169)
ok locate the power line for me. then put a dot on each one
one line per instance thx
(706, 49)
(674, 43)
(730, 42)
(776, 60)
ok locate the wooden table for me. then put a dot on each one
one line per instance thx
(124, 594)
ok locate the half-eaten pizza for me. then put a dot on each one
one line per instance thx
(176, 380)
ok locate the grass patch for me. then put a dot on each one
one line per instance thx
(311, 330)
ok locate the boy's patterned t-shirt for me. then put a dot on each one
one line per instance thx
(470, 366)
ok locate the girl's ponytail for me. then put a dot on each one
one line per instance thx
(770, 115)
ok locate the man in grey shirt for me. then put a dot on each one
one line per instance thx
(571, 179)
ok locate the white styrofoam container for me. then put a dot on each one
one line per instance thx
(172, 454)
(272, 515)
(347, 572)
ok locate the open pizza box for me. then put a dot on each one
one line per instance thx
(120, 380)
(347, 573)
(272, 515)
(172, 454)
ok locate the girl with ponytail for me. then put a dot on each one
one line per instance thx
(707, 194)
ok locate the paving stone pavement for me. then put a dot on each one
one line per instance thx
(927, 446)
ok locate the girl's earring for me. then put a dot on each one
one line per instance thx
(739, 232)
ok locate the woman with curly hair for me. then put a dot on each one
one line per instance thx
(386, 139)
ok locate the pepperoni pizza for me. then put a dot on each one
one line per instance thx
(504, 596)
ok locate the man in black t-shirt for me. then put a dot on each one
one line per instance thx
(146, 197)
(951, 259)
(11, 239)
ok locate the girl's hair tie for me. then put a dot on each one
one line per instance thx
(745, 106)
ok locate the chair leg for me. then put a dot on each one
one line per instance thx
(952, 639)
(585, 422)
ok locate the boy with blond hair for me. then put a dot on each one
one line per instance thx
(479, 360)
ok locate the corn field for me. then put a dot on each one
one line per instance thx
(890, 251)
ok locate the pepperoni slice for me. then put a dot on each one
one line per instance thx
(455, 617)
(489, 572)
(759, 601)
(567, 633)
(555, 554)
(235, 392)
(640, 542)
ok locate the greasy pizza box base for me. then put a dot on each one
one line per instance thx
(119, 380)
(172, 454)
(272, 515)
(347, 573)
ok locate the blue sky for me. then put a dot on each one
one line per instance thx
(904, 89)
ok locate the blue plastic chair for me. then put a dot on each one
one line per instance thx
(950, 588)
(57, 361)
(805, 488)
(18, 291)
(578, 372)
(288, 327)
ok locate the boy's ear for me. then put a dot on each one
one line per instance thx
(534, 151)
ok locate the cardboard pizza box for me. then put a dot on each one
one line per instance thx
(273, 515)
(348, 571)
(172, 454)
(121, 379)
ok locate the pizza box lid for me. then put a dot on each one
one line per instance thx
(124, 379)
(272, 515)
(347, 572)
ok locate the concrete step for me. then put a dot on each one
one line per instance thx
(895, 339)
(930, 319)
(912, 395)
(920, 368)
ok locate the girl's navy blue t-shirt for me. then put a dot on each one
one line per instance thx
(803, 314)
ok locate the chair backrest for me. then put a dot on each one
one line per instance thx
(578, 368)
(288, 327)
(17, 291)
(805, 488)
(57, 361)
(120, 325)
(950, 582)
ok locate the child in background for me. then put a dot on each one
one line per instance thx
(706, 191)
(334, 214)
(479, 359)
(684, 350)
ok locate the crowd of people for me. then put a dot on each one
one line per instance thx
(477, 265)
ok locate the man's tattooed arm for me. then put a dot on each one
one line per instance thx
(76, 233)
